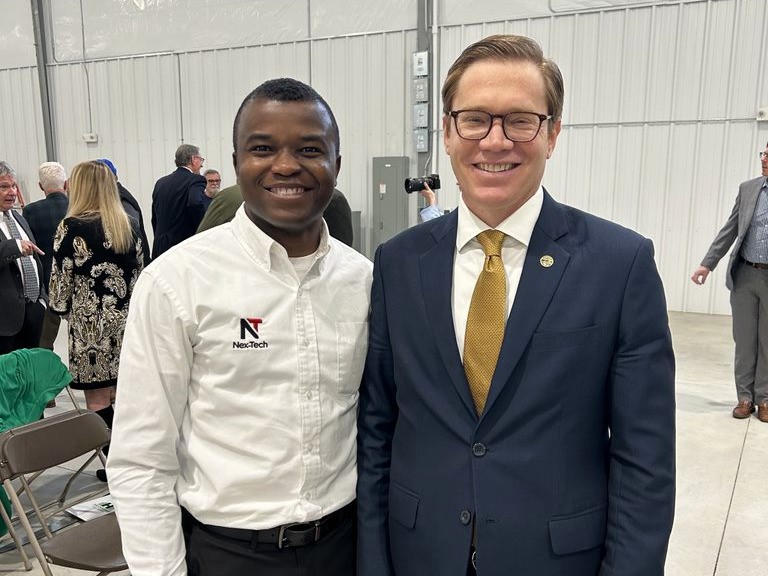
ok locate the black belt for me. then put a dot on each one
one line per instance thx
(758, 265)
(285, 536)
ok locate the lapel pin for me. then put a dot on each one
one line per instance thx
(546, 260)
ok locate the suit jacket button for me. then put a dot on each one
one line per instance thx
(479, 449)
(465, 517)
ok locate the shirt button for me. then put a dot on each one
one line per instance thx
(479, 449)
(465, 517)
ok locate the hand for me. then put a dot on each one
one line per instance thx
(700, 275)
(28, 248)
(428, 195)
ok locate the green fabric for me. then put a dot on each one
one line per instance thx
(29, 379)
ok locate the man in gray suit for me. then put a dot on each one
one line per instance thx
(747, 279)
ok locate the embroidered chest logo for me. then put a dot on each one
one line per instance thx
(249, 335)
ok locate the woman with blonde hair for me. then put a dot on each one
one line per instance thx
(97, 257)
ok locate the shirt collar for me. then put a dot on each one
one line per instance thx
(262, 247)
(518, 225)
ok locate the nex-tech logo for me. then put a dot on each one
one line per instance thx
(249, 335)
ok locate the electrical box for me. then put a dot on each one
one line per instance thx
(421, 140)
(421, 63)
(762, 114)
(421, 115)
(420, 90)
(91, 137)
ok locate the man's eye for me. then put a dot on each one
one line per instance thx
(259, 149)
(311, 150)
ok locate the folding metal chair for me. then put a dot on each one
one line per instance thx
(93, 545)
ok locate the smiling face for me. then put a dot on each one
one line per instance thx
(496, 175)
(8, 192)
(286, 161)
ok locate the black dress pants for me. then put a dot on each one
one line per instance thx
(211, 554)
(29, 334)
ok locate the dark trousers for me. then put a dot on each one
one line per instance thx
(51, 323)
(29, 334)
(211, 554)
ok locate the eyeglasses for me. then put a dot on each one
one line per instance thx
(212, 181)
(5, 187)
(517, 126)
(199, 157)
(763, 155)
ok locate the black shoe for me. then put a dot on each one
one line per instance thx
(101, 475)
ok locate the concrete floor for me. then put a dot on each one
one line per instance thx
(721, 523)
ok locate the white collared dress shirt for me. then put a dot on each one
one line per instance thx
(237, 391)
(469, 257)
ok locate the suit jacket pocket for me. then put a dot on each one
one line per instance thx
(572, 338)
(403, 506)
(351, 346)
(577, 532)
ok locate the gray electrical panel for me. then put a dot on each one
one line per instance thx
(390, 201)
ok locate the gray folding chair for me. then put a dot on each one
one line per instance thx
(93, 545)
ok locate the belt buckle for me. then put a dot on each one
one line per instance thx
(282, 538)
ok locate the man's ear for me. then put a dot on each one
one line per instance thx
(446, 129)
(234, 164)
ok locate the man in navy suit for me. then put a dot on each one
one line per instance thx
(561, 461)
(23, 294)
(177, 200)
(43, 218)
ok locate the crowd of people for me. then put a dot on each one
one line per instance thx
(496, 390)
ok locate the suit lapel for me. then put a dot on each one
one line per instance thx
(436, 270)
(750, 204)
(537, 286)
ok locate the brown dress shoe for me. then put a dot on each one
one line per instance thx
(762, 412)
(744, 409)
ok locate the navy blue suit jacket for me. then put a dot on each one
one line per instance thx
(570, 470)
(177, 208)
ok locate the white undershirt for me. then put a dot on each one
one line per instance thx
(469, 256)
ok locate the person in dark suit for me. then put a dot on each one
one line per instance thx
(177, 200)
(747, 278)
(23, 295)
(43, 217)
(132, 208)
(517, 409)
(338, 214)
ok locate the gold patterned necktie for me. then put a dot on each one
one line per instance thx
(486, 319)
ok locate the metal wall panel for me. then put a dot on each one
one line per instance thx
(367, 81)
(22, 144)
(133, 110)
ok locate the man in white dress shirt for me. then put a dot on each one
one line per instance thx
(234, 439)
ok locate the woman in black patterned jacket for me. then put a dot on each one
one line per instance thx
(97, 257)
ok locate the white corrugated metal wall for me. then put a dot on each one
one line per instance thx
(659, 125)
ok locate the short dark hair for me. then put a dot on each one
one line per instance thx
(184, 154)
(504, 48)
(286, 90)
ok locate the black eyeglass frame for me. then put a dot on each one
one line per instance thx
(762, 155)
(542, 117)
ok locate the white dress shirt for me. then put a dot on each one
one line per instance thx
(237, 391)
(469, 256)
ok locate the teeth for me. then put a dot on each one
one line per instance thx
(287, 191)
(495, 167)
